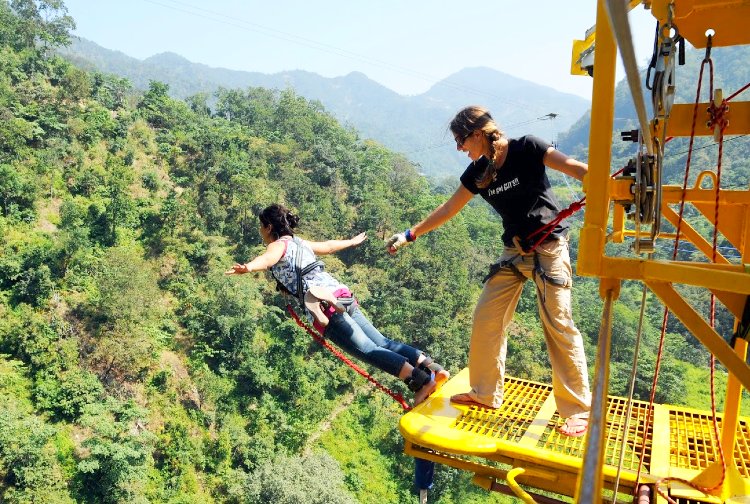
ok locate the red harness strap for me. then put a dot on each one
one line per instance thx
(317, 337)
(550, 226)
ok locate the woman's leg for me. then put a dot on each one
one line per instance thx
(487, 348)
(347, 333)
(413, 355)
(570, 381)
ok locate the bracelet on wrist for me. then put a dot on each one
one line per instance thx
(410, 237)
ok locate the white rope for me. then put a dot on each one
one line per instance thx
(631, 389)
(618, 20)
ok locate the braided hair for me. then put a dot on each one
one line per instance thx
(471, 119)
(281, 219)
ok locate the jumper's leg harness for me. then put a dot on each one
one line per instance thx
(314, 296)
(541, 278)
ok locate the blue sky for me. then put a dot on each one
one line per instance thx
(406, 45)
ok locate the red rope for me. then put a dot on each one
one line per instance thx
(738, 91)
(717, 119)
(550, 226)
(317, 337)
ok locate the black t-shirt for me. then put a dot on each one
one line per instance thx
(521, 191)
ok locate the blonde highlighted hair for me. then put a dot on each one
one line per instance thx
(475, 118)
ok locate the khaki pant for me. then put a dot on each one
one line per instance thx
(494, 312)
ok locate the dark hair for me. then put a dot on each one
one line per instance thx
(471, 119)
(281, 219)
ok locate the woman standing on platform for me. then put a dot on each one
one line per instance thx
(510, 174)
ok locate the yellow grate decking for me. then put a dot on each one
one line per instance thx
(523, 433)
(522, 403)
(691, 443)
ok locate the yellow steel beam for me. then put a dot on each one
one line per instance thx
(620, 190)
(701, 330)
(618, 224)
(734, 210)
(731, 220)
(558, 480)
(687, 231)
(660, 459)
(721, 277)
(673, 194)
(681, 118)
(734, 302)
(597, 180)
(727, 473)
(728, 19)
(732, 403)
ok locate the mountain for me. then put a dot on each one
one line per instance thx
(413, 125)
(732, 73)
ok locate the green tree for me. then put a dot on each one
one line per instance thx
(27, 458)
(18, 193)
(317, 478)
(119, 453)
(37, 23)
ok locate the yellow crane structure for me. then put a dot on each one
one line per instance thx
(658, 453)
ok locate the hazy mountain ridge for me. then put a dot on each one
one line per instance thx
(414, 125)
(731, 73)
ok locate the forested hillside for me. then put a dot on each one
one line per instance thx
(413, 125)
(132, 370)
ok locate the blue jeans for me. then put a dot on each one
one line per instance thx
(424, 474)
(355, 334)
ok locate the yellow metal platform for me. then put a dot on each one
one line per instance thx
(522, 434)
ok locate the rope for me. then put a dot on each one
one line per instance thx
(718, 120)
(317, 337)
(738, 91)
(550, 226)
(631, 390)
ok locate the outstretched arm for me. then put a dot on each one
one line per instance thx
(437, 218)
(271, 256)
(331, 246)
(569, 166)
(444, 212)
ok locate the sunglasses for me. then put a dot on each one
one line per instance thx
(460, 140)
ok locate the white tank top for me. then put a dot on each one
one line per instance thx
(284, 270)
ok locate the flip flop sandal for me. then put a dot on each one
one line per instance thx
(466, 400)
(574, 427)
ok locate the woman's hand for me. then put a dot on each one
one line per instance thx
(395, 242)
(358, 239)
(238, 269)
(271, 256)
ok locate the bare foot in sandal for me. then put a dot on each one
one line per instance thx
(574, 427)
(466, 399)
(441, 377)
(423, 393)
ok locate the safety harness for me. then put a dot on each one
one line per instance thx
(420, 375)
(538, 271)
(300, 272)
(528, 247)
